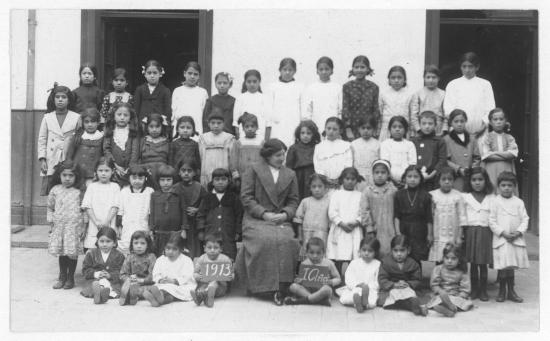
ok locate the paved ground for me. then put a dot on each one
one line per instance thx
(37, 307)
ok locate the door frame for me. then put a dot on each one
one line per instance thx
(531, 154)
(93, 36)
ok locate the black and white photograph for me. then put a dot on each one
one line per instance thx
(273, 170)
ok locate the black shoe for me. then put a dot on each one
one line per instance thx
(501, 291)
(69, 284)
(60, 281)
(512, 296)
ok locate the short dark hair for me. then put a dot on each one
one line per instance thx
(315, 241)
(507, 176)
(215, 237)
(271, 147)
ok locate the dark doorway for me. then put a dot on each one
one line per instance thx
(130, 42)
(507, 45)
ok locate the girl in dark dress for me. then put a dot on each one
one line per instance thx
(166, 215)
(182, 146)
(299, 157)
(88, 94)
(221, 211)
(86, 147)
(191, 195)
(413, 209)
(154, 147)
(153, 96)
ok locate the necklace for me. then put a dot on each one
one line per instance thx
(411, 202)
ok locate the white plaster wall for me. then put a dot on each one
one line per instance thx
(57, 51)
(259, 39)
(18, 57)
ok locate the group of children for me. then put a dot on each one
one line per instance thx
(412, 185)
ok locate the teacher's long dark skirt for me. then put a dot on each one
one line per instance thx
(416, 232)
(270, 254)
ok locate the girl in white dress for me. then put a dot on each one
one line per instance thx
(134, 207)
(396, 100)
(344, 213)
(366, 150)
(399, 151)
(189, 99)
(322, 99)
(285, 102)
(332, 155)
(101, 201)
(173, 275)
(508, 220)
(252, 101)
(470, 93)
(361, 288)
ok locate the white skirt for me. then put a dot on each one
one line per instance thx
(510, 256)
(342, 245)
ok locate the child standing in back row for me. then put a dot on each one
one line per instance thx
(119, 95)
(88, 94)
(322, 99)
(299, 157)
(153, 96)
(359, 98)
(252, 101)
(396, 100)
(190, 99)
(222, 100)
(284, 100)
(429, 98)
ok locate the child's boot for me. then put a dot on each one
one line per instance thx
(483, 296)
(211, 292)
(512, 296)
(60, 280)
(62, 273)
(474, 280)
(502, 289)
(71, 267)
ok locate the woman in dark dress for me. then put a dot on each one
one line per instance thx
(269, 194)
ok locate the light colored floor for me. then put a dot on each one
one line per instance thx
(37, 307)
